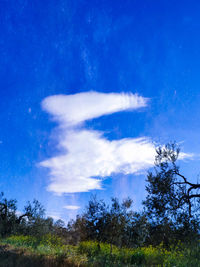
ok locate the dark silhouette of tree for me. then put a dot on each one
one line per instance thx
(116, 224)
(95, 219)
(76, 230)
(31, 221)
(171, 203)
(8, 216)
(36, 223)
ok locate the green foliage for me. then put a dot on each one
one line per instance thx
(7, 215)
(48, 244)
(116, 224)
(47, 250)
(170, 203)
(22, 241)
(100, 252)
(179, 256)
(31, 222)
(89, 253)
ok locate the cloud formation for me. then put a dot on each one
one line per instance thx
(71, 207)
(87, 156)
(77, 108)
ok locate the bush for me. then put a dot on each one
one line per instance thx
(99, 254)
(89, 253)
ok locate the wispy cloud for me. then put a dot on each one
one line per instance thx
(71, 207)
(54, 216)
(86, 154)
(74, 109)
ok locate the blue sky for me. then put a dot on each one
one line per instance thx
(91, 84)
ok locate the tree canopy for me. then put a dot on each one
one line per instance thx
(171, 203)
(171, 212)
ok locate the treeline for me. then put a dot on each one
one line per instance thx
(31, 222)
(170, 214)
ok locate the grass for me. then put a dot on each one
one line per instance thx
(49, 250)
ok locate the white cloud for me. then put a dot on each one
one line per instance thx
(71, 207)
(74, 109)
(86, 154)
(19, 213)
(53, 216)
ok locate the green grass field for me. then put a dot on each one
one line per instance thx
(51, 251)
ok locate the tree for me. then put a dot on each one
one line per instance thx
(116, 224)
(8, 217)
(95, 219)
(31, 220)
(76, 230)
(171, 202)
(36, 223)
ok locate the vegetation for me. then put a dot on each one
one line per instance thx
(172, 206)
(165, 233)
(51, 251)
